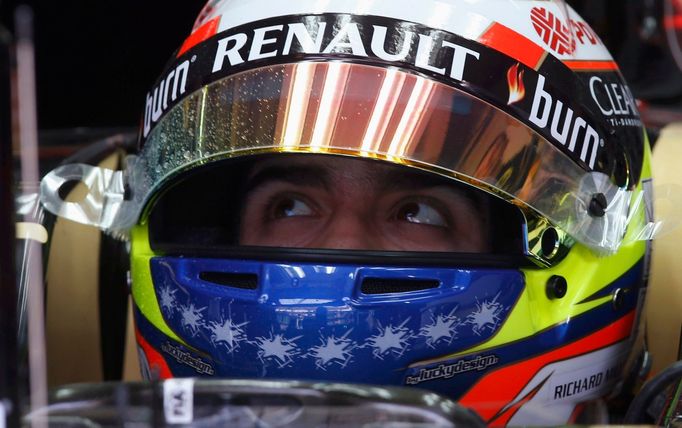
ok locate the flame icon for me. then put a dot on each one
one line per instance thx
(516, 89)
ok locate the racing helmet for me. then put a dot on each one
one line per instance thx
(513, 108)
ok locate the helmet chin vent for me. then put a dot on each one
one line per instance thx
(245, 281)
(396, 285)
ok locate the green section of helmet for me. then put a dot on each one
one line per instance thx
(143, 290)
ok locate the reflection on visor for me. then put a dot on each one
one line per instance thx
(379, 113)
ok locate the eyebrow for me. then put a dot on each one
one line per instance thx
(417, 180)
(301, 175)
(317, 176)
(393, 179)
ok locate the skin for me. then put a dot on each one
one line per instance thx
(343, 203)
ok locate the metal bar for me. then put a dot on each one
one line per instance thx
(30, 177)
(9, 404)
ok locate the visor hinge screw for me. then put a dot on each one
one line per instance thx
(556, 287)
(618, 298)
(129, 281)
(598, 205)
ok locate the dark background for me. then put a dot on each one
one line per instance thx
(96, 59)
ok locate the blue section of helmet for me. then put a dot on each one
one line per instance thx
(312, 321)
(286, 348)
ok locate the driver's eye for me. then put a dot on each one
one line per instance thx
(420, 212)
(290, 206)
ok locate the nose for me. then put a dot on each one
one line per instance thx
(349, 231)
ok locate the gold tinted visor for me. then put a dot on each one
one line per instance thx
(373, 112)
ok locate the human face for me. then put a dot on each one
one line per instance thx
(342, 203)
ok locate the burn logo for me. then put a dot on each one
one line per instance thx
(565, 126)
(172, 86)
(517, 91)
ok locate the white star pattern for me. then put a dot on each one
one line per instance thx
(167, 298)
(333, 350)
(442, 328)
(278, 349)
(192, 318)
(227, 333)
(485, 316)
(390, 340)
